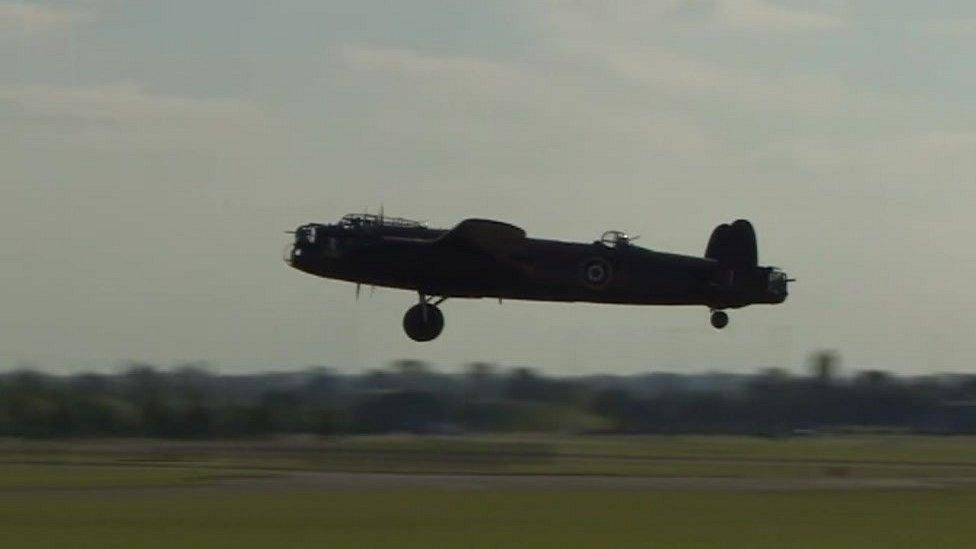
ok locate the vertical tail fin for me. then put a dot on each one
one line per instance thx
(734, 245)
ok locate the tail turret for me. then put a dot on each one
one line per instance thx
(738, 279)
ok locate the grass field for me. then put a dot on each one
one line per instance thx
(491, 519)
(234, 494)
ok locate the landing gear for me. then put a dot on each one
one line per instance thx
(720, 319)
(424, 321)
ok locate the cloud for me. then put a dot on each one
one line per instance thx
(462, 75)
(516, 103)
(761, 15)
(933, 156)
(24, 18)
(127, 112)
(708, 15)
(413, 62)
(798, 94)
(951, 28)
(623, 42)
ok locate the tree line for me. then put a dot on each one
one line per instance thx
(192, 401)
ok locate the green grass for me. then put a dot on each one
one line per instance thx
(424, 519)
(135, 493)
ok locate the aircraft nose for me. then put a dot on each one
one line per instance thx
(293, 250)
(288, 254)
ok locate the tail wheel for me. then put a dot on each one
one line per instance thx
(423, 322)
(720, 319)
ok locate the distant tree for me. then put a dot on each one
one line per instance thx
(193, 381)
(525, 384)
(824, 366)
(481, 381)
(619, 407)
(406, 411)
(284, 410)
(95, 414)
(411, 367)
(193, 401)
(320, 385)
(872, 378)
(967, 387)
(90, 383)
(377, 380)
(143, 384)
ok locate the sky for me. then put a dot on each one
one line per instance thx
(152, 154)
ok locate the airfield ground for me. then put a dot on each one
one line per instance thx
(524, 491)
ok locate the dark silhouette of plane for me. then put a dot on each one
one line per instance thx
(483, 258)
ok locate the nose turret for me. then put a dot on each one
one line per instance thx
(304, 241)
(287, 255)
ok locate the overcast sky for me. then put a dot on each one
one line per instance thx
(152, 154)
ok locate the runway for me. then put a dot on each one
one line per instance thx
(326, 481)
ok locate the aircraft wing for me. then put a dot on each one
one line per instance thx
(493, 237)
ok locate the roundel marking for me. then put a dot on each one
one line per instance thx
(597, 272)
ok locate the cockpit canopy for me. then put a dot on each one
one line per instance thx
(349, 221)
(615, 239)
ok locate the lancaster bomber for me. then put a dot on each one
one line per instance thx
(481, 258)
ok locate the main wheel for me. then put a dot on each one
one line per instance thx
(423, 322)
(720, 319)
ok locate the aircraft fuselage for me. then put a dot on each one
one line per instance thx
(417, 258)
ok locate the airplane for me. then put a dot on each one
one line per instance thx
(483, 258)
